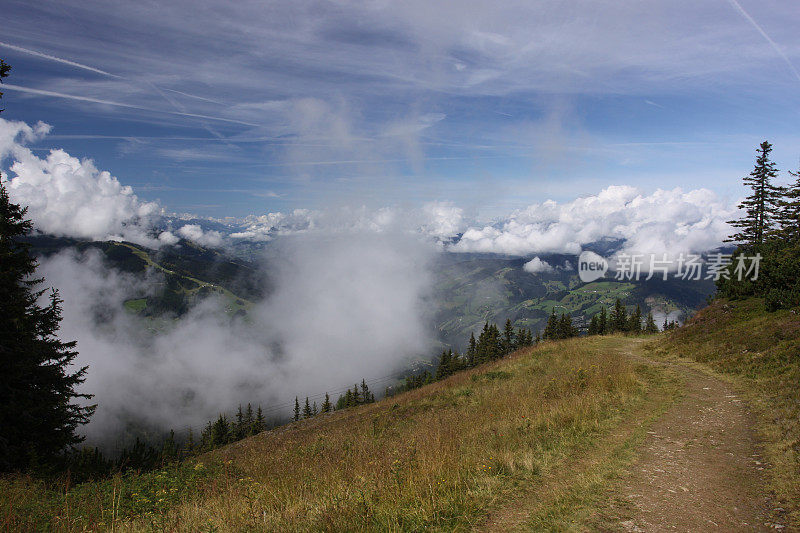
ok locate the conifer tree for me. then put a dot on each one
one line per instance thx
(307, 409)
(471, 349)
(635, 321)
(248, 420)
(296, 409)
(619, 317)
(443, 370)
(37, 414)
(365, 392)
(650, 325)
(602, 323)
(220, 432)
(788, 216)
(169, 450)
(326, 405)
(593, 329)
(190, 441)
(760, 206)
(508, 337)
(239, 429)
(551, 329)
(314, 410)
(260, 423)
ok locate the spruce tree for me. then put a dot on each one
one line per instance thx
(260, 423)
(650, 326)
(38, 418)
(307, 413)
(248, 420)
(443, 369)
(190, 441)
(471, 349)
(508, 337)
(365, 392)
(788, 216)
(761, 205)
(296, 409)
(326, 405)
(619, 317)
(602, 323)
(593, 326)
(635, 321)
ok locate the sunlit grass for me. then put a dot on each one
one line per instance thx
(443, 457)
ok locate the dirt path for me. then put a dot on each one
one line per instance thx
(699, 468)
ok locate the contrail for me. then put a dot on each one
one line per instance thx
(104, 73)
(58, 60)
(42, 92)
(760, 30)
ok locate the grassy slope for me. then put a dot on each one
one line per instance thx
(530, 439)
(761, 353)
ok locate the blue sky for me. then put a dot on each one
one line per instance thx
(227, 109)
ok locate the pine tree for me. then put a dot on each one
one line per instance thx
(635, 321)
(650, 325)
(220, 432)
(239, 429)
(37, 416)
(443, 369)
(314, 410)
(619, 317)
(788, 216)
(551, 329)
(169, 450)
(761, 205)
(248, 421)
(260, 423)
(602, 323)
(296, 409)
(471, 350)
(190, 441)
(508, 337)
(593, 328)
(326, 405)
(307, 409)
(365, 392)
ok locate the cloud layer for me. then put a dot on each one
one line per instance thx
(344, 309)
(666, 221)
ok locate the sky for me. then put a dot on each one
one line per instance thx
(232, 109)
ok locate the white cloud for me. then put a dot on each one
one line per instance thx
(344, 308)
(66, 196)
(666, 221)
(442, 220)
(195, 233)
(537, 266)
(168, 238)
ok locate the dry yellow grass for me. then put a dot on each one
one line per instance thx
(440, 457)
(537, 432)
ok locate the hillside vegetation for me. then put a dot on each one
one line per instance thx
(761, 353)
(537, 440)
(542, 429)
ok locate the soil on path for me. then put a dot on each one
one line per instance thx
(700, 468)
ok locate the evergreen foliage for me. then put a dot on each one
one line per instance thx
(770, 230)
(38, 413)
